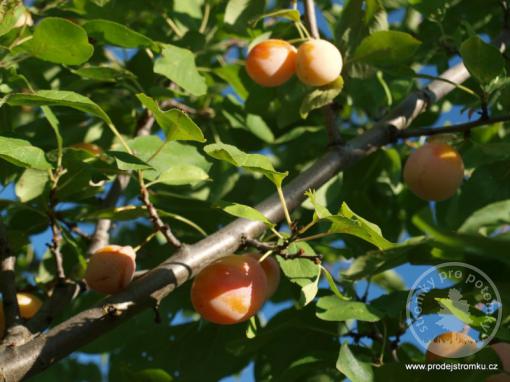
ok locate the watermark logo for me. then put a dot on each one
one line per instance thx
(457, 300)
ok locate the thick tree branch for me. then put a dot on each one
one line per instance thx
(459, 128)
(44, 350)
(13, 327)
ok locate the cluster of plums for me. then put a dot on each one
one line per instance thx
(228, 291)
(434, 171)
(458, 345)
(234, 288)
(273, 62)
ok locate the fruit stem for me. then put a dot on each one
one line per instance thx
(265, 255)
(314, 237)
(284, 205)
(307, 227)
(146, 241)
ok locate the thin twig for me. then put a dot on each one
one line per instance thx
(261, 246)
(159, 224)
(459, 128)
(73, 227)
(56, 231)
(314, 237)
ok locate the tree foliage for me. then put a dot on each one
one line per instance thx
(132, 111)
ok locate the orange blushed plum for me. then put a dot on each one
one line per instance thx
(318, 63)
(230, 290)
(111, 269)
(450, 345)
(271, 62)
(434, 171)
(29, 305)
(272, 270)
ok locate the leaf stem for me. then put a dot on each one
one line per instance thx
(265, 255)
(314, 237)
(307, 227)
(279, 190)
(116, 132)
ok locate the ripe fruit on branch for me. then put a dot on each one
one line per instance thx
(318, 62)
(111, 269)
(271, 62)
(450, 345)
(230, 290)
(434, 171)
(29, 305)
(272, 271)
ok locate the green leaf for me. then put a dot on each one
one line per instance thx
(31, 184)
(181, 174)
(60, 41)
(299, 271)
(331, 308)
(59, 98)
(377, 261)
(289, 14)
(296, 133)
(475, 321)
(347, 222)
(320, 97)
(159, 154)
(231, 74)
(332, 284)
(177, 125)
(245, 212)
(353, 368)
(258, 127)
(110, 32)
(252, 327)
(239, 12)
(150, 375)
(10, 11)
(459, 243)
(321, 212)
(21, 153)
(178, 65)
(482, 60)
(310, 290)
(100, 3)
(493, 215)
(252, 162)
(386, 48)
(389, 280)
(128, 162)
(103, 73)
